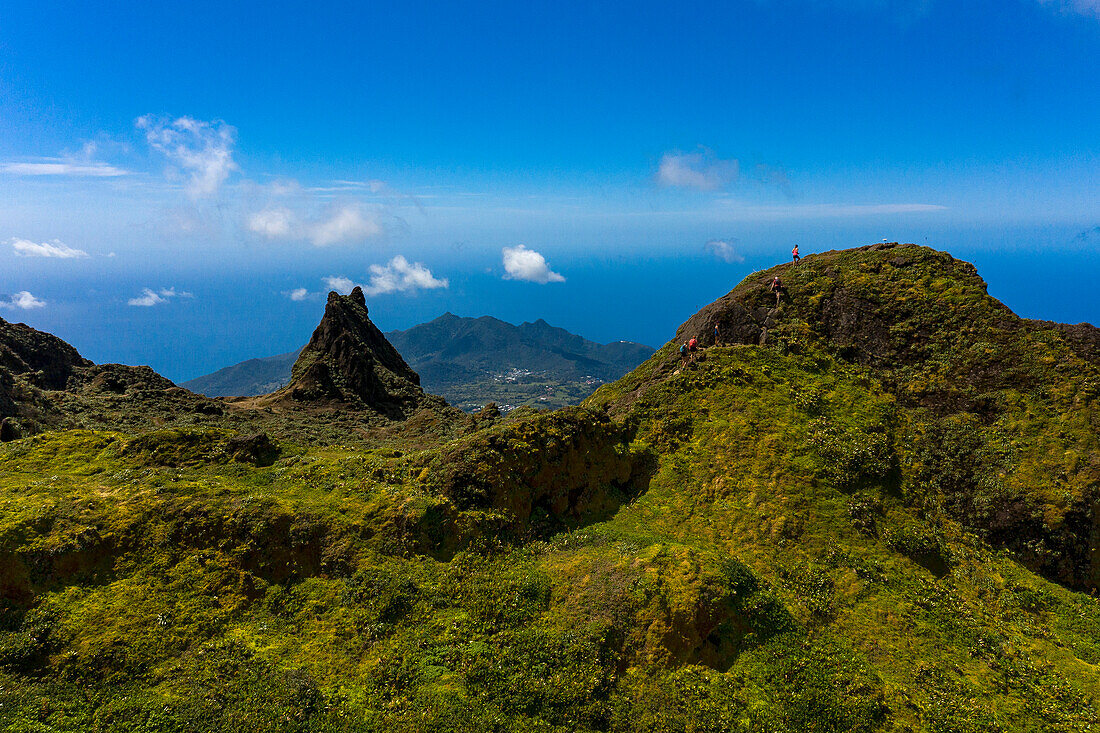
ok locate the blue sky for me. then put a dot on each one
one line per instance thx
(180, 185)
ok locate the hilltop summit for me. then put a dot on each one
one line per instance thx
(903, 309)
(349, 360)
(961, 376)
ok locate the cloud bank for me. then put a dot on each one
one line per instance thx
(27, 248)
(521, 263)
(203, 151)
(22, 300)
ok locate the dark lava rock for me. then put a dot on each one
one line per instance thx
(743, 316)
(7, 394)
(257, 449)
(489, 412)
(9, 430)
(47, 361)
(349, 360)
(118, 379)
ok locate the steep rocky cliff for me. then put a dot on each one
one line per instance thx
(349, 360)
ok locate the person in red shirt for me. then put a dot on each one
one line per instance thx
(794, 254)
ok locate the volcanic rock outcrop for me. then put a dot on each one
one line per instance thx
(46, 360)
(349, 361)
(45, 382)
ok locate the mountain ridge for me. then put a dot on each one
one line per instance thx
(451, 352)
(871, 508)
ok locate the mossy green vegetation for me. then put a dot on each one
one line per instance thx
(794, 536)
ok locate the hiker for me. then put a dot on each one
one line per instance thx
(794, 254)
(684, 354)
(693, 345)
(777, 288)
(716, 333)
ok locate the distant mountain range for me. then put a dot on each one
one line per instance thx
(470, 361)
(251, 377)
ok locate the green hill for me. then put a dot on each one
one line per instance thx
(248, 378)
(872, 508)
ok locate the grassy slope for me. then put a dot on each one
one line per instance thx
(795, 564)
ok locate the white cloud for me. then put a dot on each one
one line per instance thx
(521, 263)
(150, 297)
(398, 276)
(700, 170)
(298, 294)
(401, 276)
(82, 164)
(27, 248)
(59, 167)
(345, 224)
(202, 150)
(373, 185)
(339, 283)
(272, 223)
(724, 249)
(23, 300)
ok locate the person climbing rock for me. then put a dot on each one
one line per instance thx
(684, 354)
(693, 345)
(794, 254)
(777, 288)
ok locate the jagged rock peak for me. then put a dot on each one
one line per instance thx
(348, 359)
(47, 361)
(356, 295)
